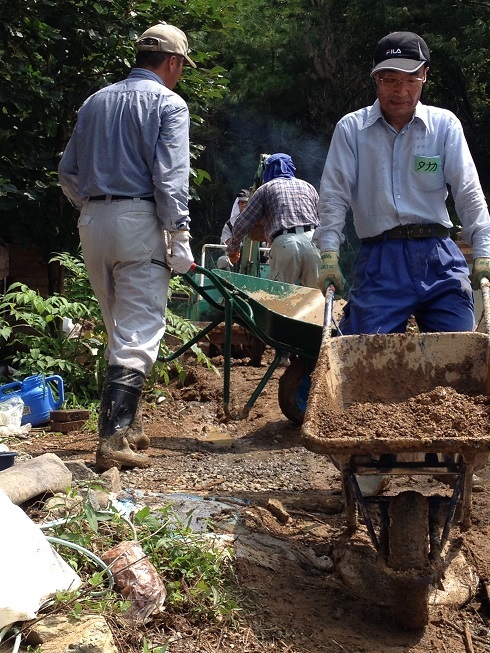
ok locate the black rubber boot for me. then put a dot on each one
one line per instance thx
(119, 403)
(135, 434)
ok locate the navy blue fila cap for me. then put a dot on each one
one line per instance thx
(405, 52)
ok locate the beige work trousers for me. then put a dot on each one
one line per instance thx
(295, 259)
(124, 250)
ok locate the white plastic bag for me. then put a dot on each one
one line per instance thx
(32, 571)
(11, 412)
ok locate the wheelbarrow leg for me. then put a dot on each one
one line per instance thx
(243, 413)
(342, 463)
(227, 352)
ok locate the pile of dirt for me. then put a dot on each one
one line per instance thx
(441, 413)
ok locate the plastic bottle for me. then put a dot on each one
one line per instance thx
(137, 579)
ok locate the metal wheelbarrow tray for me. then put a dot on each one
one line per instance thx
(389, 370)
(284, 316)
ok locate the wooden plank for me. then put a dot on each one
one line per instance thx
(72, 415)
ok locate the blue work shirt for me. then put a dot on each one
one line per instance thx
(131, 139)
(392, 178)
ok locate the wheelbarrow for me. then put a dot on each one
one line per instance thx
(286, 317)
(359, 386)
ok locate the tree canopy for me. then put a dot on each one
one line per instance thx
(273, 75)
(54, 54)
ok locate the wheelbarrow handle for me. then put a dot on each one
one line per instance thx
(485, 293)
(328, 314)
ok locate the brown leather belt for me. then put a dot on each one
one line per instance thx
(115, 198)
(411, 231)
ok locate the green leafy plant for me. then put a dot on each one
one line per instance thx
(31, 327)
(198, 577)
(64, 334)
(196, 573)
(158, 649)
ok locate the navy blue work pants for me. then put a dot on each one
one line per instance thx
(394, 279)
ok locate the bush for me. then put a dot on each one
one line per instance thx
(65, 335)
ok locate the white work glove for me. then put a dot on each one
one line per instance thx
(330, 272)
(179, 255)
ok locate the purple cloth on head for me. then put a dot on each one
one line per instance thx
(279, 165)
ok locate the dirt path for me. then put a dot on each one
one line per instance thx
(297, 602)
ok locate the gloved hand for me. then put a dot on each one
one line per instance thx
(330, 272)
(481, 269)
(234, 256)
(179, 256)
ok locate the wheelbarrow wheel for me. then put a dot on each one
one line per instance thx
(408, 542)
(293, 389)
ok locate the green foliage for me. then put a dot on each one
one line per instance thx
(196, 573)
(158, 649)
(197, 576)
(53, 56)
(31, 328)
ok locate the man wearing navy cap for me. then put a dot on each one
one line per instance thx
(392, 163)
(286, 207)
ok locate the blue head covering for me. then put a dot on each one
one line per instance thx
(279, 165)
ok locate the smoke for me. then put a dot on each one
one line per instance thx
(233, 157)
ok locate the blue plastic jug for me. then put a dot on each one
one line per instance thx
(37, 395)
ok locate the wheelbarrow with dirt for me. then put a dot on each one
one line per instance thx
(406, 405)
(286, 317)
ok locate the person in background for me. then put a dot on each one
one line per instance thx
(239, 204)
(286, 207)
(391, 163)
(126, 168)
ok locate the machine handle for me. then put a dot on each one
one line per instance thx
(328, 314)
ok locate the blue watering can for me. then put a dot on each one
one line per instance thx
(37, 394)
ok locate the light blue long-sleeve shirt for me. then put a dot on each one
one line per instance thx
(392, 178)
(131, 139)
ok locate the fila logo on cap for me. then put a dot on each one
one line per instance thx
(393, 51)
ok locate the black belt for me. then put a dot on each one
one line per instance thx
(293, 230)
(411, 231)
(102, 198)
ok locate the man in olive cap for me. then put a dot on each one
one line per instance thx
(126, 168)
(391, 163)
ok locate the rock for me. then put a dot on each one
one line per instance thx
(276, 508)
(45, 474)
(60, 505)
(80, 471)
(112, 480)
(59, 634)
(98, 499)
